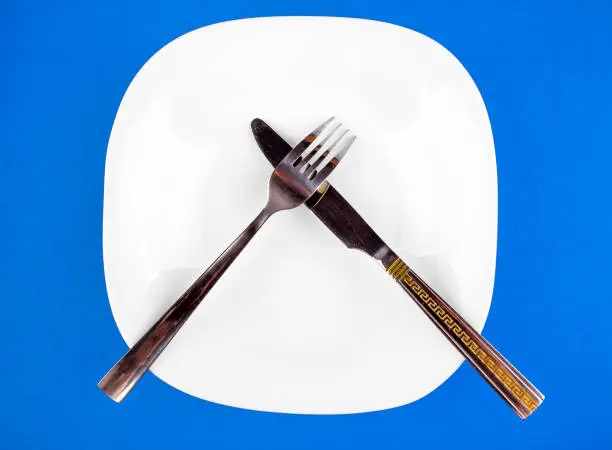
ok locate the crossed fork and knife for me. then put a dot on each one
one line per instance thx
(299, 178)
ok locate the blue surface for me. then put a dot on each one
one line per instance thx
(545, 72)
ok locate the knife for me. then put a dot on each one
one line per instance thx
(339, 216)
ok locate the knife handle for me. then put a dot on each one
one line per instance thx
(514, 388)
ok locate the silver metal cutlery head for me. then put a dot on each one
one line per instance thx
(305, 167)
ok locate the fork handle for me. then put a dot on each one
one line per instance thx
(124, 375)
(509, 383)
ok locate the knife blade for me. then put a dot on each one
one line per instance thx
(327, 203)
(344, 221)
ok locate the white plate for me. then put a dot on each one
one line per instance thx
(184, 176)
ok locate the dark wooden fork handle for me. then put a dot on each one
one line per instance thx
(514, 388)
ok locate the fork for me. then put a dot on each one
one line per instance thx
(293, 181)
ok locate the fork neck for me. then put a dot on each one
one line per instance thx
(261, 218)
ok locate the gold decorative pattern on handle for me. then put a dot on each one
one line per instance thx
(400, 271)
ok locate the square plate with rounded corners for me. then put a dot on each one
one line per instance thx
(299, 324)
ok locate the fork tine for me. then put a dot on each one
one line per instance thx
(323, 158)
(307, 158)
(306, 143)
(320, 145)
(331, 165)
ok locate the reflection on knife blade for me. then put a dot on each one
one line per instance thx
(340, 217)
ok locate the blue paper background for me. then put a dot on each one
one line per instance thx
(545, 72)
